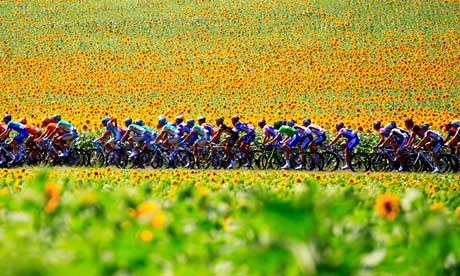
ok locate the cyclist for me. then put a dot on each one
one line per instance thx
(398, 138)
(210, 128)
(111, 128)
(455, 141)
(229, 141)
(34, 133)
(433, 141)
(451, 129)
(383, 134)
(415, 131)
(202, 134)
(318, 132)
(137, 140)
(125, 129)
(269, 131)
(17, 140)
(352, 139)
(290, 141)
(151, 133)
(179, 120)
(244, 142)
(306, 138)
(68, 133)
(169, 134)
(51, 119)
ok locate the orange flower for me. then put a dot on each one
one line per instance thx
(387, 205)
(52, 196)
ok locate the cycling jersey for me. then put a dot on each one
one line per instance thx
(317, 130)
(136, 129)
(201, 131)
(303, 131)
(269, 130)
(183, 128)
(433, 135)
(20, 129)
(33, 130)
(210, 128)
(170, 130)
(348, 133)
(116, 132)
(399, 133)
(65, 126)
(240, 126)
(287, 130)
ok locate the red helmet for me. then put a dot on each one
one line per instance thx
(23, 121)
(235, 119)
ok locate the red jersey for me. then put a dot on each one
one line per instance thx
(33, 130)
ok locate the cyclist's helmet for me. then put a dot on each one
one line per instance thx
(139, 122)
(306, 122)
(339, 125)
(179, 119)
(408, 123)
(190, 123)
(23, 121)
(425, 127)
(219, 121)
(283, 122)
(277, 124)
(377, 125)
(201, 120)
(7, 118)
(261, 123)
(128, 121)
(291, 123)
(162, 120)
(235, 119)
(105, 121)
(57, 117)
(456, 123)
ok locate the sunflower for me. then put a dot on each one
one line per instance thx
(387, 205)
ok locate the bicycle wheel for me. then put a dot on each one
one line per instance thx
(329, 161)
(358, 163)
(96, 159)
(379, 163)
(302, 160)
(444, 163)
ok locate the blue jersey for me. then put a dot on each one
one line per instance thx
(116, 132)
(240, 126)
(183, 128)
(18, 127)
(348, 133)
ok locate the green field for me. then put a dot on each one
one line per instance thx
(106, 221)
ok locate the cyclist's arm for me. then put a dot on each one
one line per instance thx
(423, 142)
(335, 139)
(381, 139)
(387, 141)
(5, 134)
(448, 136)
(103, 136)
(274, 139)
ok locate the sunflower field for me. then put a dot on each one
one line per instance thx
(354, 61)
(108, 221)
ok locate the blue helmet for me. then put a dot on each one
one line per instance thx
(390, 126)
(190, 122)
(339, 125)
(139, 122)
(179, 119)
(261, 123)
(306, 122)
(377, 124)
(201, 119)
(162, 120)
(455, 123)
(424, 127)
(291, 123)
(128, 121)
(105, 121)
(7, 118)
(283, 122)
(57, 117)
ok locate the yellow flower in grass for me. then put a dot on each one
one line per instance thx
(52, 196)
(145, 235)
(387, 205)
